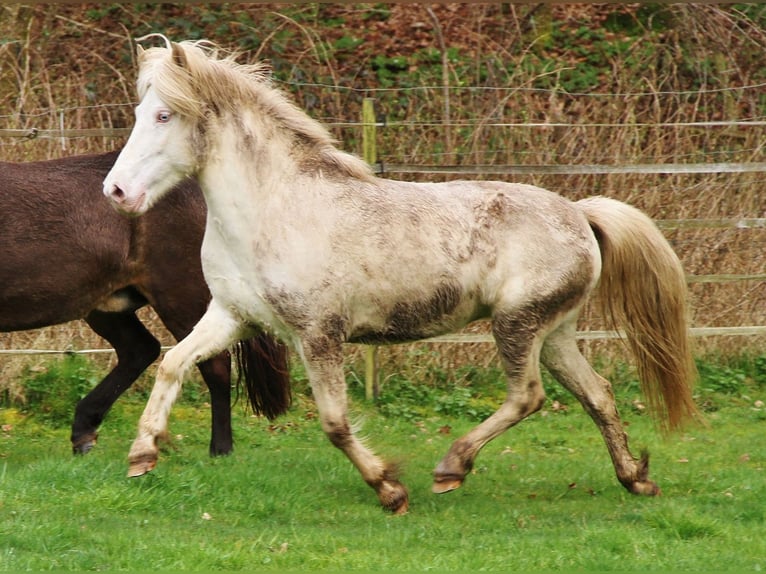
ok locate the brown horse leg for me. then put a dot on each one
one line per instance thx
(563, 359)
(324, 367)
(217, 375)
(136, 349)
(520, 353)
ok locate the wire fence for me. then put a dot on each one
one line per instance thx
(386, 168)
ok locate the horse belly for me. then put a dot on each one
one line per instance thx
(33, 300)
(444, 309)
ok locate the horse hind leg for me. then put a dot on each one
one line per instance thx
(563, 359)
(519, 347)
(216, 373)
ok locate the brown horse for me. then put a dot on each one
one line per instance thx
(67, 254)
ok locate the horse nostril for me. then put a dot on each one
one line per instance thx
(117, 193)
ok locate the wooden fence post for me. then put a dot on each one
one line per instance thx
(369, 152)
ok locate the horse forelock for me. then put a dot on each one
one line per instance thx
(207, 83)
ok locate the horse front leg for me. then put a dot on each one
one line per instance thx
(324, 366)
(136, 349)
(216, 331)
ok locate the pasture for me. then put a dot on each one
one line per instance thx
(543, 496)
(526, 85)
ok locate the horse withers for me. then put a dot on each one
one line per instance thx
(302, 240)
(67, 254)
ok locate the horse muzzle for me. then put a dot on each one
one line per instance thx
(128, 203)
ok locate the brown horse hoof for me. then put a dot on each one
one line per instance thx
(142, 465)
(442, 485)
(85, 444)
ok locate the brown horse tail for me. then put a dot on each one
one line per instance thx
(643, 289)
(262, 365)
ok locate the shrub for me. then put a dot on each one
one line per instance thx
(51, 392)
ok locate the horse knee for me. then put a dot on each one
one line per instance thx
(170, 370)
(531, 400)
(536, 395)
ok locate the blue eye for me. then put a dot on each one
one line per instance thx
(163, 117)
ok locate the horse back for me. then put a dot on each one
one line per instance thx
(63, 244)
(398, 261)
(66, 250)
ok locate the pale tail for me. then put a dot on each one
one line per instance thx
(643, 290)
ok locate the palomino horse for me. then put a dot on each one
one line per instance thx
(67, 254)
(303, 240)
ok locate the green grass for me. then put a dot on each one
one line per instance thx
(542, 497)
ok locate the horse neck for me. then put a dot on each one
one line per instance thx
(244, 170)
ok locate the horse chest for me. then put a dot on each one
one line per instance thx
(233, 280)
(247, 302)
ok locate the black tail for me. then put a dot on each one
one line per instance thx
(262, 364)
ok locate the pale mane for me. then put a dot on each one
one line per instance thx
(208, 82)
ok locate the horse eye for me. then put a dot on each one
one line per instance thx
(163, 117)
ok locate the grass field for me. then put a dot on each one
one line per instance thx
(542, 497)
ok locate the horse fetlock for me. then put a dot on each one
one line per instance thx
(637, 481)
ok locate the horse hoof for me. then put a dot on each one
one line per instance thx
(393, 497)
(141, 466)
(84, 445)
(402, 509)
(647, 488)
(84, 448)
(442, 485)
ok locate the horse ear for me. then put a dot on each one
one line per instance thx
(179, 56)
(139, 50)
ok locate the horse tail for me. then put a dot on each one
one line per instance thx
(643, 289)
(262, 365)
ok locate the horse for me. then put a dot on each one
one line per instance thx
(67, 254)
(304, 241)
